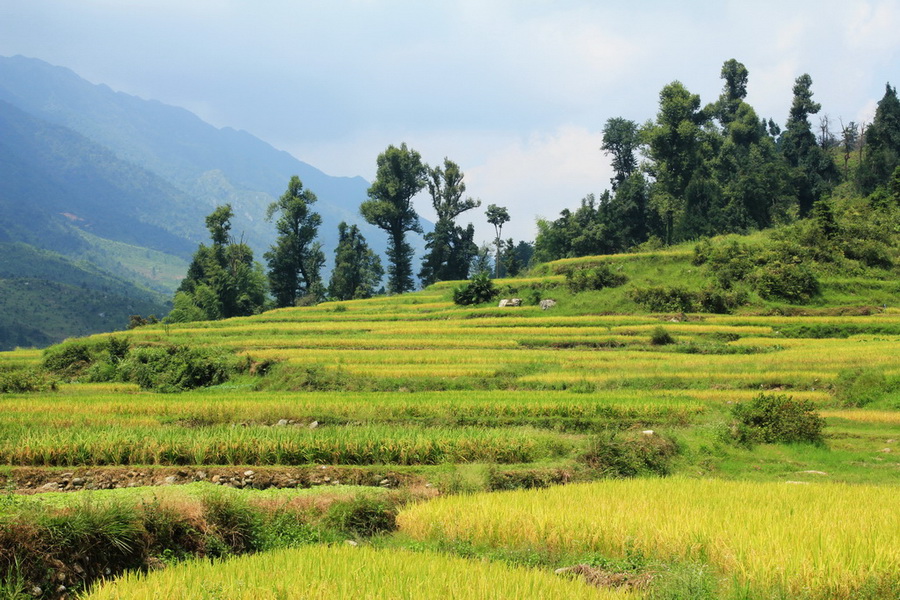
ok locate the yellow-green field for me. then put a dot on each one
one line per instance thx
(466, 400)
(816, 540)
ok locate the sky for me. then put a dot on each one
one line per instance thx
(514, 91)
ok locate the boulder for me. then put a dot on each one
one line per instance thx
(547, 304)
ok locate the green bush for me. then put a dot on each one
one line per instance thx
(661, 337)
(629, 454)
(770, 419)
(663, 299)
(20, 381)
(72, 357)
(478, 290)
(718, 301)
(597, 278)
(786, 281)
(176, 368)
(362, 516)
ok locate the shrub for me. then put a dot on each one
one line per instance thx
(786, 281)
(718, 301)
(597, 278)
(663, 299)
(661, 337)
(770, 419)
(175, 368)
(70, 358)
(620, 455)
(478, 290)
(20, 381)
(363, 516)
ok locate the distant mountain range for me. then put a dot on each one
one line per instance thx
(118, 188)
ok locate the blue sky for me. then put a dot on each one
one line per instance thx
(516, 92)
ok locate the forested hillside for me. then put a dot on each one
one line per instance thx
(698, 170)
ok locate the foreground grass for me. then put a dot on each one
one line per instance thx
(763, 539)
(345, 572)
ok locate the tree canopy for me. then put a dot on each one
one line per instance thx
(401, 174)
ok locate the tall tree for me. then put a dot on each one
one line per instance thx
(450, 247)
(357, 270)
(497, 216)
(621, 139)
(400, 176)
(882, 143)
(678, 148)
(296, 259)
(813, 168)
(750, 174)
(222, 280)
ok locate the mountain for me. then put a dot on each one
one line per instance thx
(209, 165)
(118, 188)
(46, 297)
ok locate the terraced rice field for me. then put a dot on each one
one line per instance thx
(481, 398)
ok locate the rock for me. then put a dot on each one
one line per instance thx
(78, 481)
(200, 475)
(647, 432)
(890, 441)
(49, 487)
(385, 483)
(313, 425)
(170, 480)
(510, 302)
(67, 475)
(37, 592)
(281, 423)
(547, 304)
(503, 303)
(248, 473)
(885, 450)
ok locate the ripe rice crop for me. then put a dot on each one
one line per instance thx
(138, 444)
(890, 417)
(339, 572)
(811, 541)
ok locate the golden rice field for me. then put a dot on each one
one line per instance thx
(340, 572)
(466, 396)
(819, 541)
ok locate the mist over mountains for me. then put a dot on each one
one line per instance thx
(120, 186)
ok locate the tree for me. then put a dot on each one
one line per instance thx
(295, 260)
(497, 216)
(449, 246)
(400, 176)
(813, 168)
(357, 270)
(621, 139)
(511, 263)
(222, 280)
(882, 143)
(849, 140)
(679, 149)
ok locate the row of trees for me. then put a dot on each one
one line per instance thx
(719, 168)
(224, 281)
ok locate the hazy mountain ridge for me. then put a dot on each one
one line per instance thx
(111, 180)
(187, 152)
